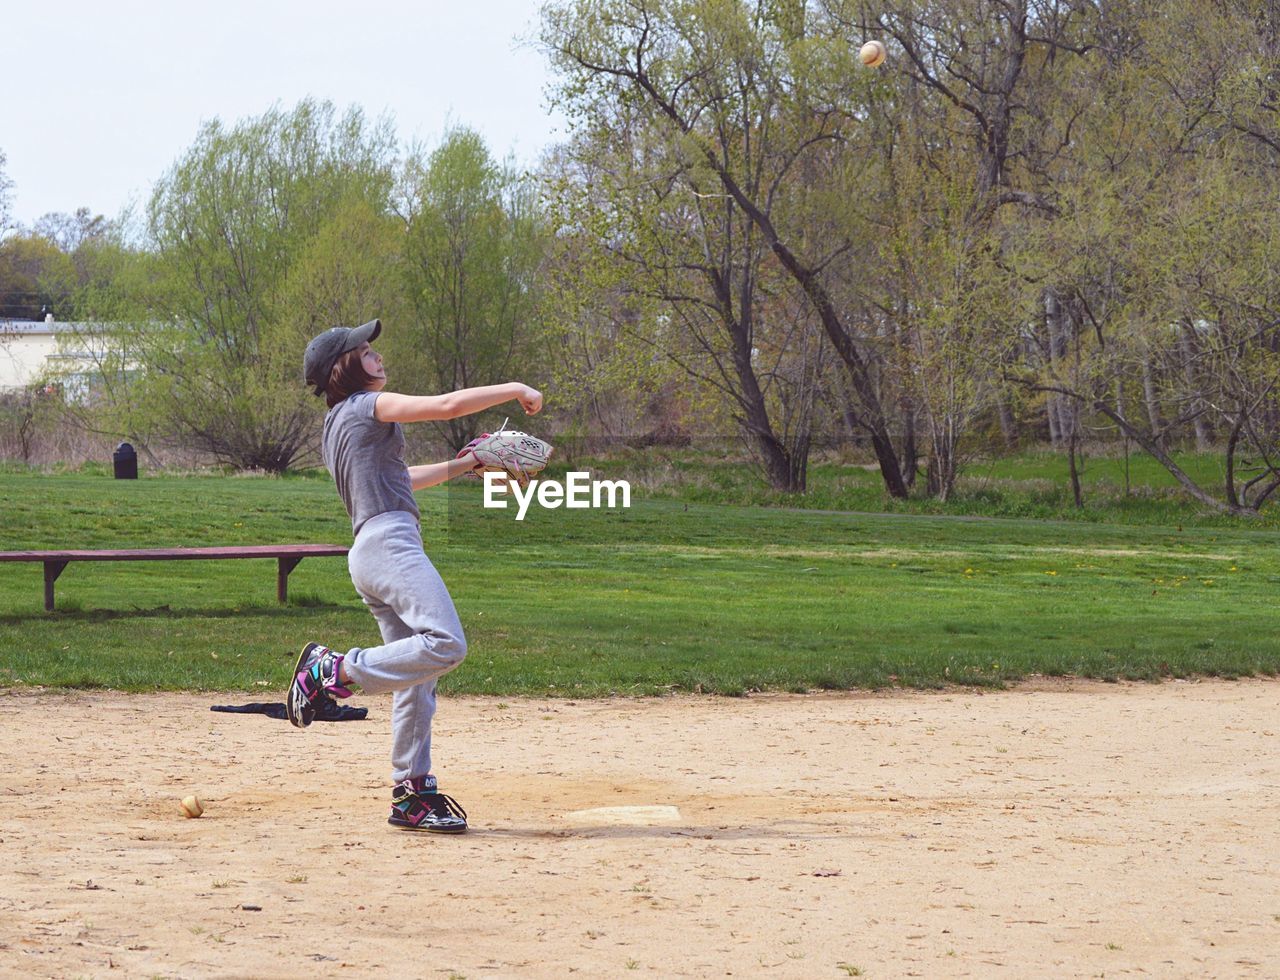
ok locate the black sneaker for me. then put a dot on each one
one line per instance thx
(417, 804)
(315, 679)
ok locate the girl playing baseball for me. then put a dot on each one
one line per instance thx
(363, 447)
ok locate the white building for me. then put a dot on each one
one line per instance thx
(35, 350)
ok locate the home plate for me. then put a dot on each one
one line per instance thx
(625, 816)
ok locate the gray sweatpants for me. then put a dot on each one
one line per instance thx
(422, 636)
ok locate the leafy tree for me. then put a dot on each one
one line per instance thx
(944, 300)
(1166, 270)
(739, 99)
(973, 92)
(685, 278)
(35, 277)
(261, 235)
(472, 251)
(605, 375)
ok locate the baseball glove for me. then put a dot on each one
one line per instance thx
(517, 454)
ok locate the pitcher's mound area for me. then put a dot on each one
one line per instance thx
(1056, 830)
(624, 816)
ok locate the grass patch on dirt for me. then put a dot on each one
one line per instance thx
(669, 595)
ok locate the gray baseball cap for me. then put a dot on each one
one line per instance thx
(325, 349)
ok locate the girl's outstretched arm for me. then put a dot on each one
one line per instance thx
(391, 407)
(430, 474)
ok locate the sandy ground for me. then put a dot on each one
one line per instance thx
(1055, 830)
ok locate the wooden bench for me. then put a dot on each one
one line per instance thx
(287, 557)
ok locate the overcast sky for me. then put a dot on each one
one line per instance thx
(101, 97)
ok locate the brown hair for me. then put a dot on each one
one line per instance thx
(346, 377)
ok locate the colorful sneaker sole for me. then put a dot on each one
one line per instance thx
(297, 705)
(453, 826)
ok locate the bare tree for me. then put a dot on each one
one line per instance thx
(7, 223)
(730, 88)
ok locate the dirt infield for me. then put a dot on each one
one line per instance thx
(1055, 830)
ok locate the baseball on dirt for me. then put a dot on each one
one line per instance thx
(192, 806)
(872, 54)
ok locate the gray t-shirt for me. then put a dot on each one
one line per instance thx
(366, 458)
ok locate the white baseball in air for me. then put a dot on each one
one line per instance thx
(192, 806)
(872, 54)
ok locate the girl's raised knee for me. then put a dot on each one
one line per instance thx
(447, 648)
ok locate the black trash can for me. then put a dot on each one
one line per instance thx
(126, 462)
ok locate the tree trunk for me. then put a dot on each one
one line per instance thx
(779, 466)
(1008, 424)
(1187, 344)
(940, 475)
(910, 453)
(1075, 472)
(872, 414)
(851, 424)
(1060, 419)
(1152, 401)
(1233, 498)
(785, 472)
(1051, 414)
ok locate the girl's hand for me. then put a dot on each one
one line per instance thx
(530, 400)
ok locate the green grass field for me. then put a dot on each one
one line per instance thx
(1032, 485)
(669, 595)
